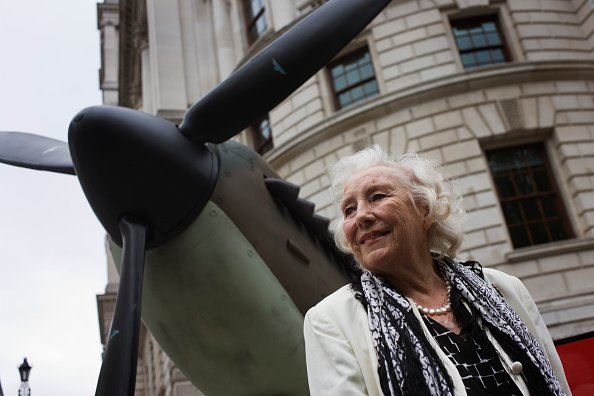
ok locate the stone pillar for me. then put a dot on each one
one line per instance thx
(223, 37)
(208, 70)
(282, 13)
(148, 105)
(166, 56)
(189, 21)
(108, 16)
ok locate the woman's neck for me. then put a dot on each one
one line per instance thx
(416, 276)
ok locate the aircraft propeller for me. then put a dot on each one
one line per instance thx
(118, 371)
(278, 70)
(147, 179)
(31, 151)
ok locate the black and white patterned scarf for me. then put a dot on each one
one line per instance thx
(395, 335)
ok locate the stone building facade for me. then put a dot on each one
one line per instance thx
(501, 92)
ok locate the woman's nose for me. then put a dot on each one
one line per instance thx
(364, 214)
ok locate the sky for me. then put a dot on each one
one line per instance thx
(52, 259)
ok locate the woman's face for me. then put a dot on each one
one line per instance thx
(381, 223)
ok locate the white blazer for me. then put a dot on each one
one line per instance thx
(341, 358)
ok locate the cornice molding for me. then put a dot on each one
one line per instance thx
(107, 14)
(175, 116)
(508, 74)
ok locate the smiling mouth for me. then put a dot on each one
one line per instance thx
(370, 237)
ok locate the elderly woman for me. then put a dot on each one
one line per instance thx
(416, 322)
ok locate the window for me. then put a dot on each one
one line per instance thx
(255, 19)
(261, 135)
(353, 78)
(529, 198)
(479, 41)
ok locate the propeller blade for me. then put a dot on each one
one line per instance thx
(31, 151)
(118, 371)
(278, 70)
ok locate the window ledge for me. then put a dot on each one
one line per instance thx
(305, 6)
(550, 249)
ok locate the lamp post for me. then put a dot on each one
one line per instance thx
(24, 371)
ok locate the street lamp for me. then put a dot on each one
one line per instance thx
(24, 371)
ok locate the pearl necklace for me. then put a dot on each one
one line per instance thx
(444, 308)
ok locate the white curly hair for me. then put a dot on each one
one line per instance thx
(428, 188)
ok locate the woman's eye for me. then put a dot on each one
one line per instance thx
(377, 196)
(348, 210)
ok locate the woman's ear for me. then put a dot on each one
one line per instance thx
(427, 222)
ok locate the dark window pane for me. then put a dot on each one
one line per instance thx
(479, 40)
(337, 70)
(364, 60)
(511, 210)
(493, 39)
(557, 230)
(255, 6)
(549, 207)
(489, 26)
(265, 128)
(344, 99)
(255, 19)
(497, 56)
(261, 25)
(261, 135)
(533, 158)
(523, 183)
(482, 57)
(505, 187)
(366, 71)
(500, 162)
(357, 93)
(519, 237)
(352, 77)
(468, 60)
(542, 180)
(459, 32)
(340, 83)
(539, 233)
(531, 210)
(371, 88)
(463, 43)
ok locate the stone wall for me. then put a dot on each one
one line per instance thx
(429, 104)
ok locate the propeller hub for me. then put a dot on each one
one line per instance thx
(131, 163)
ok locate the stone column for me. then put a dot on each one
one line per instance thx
(147, 86)
(166, 57)
(223, 37)
(108, 24)
(282, 13)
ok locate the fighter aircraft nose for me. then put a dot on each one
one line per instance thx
(132, 163)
